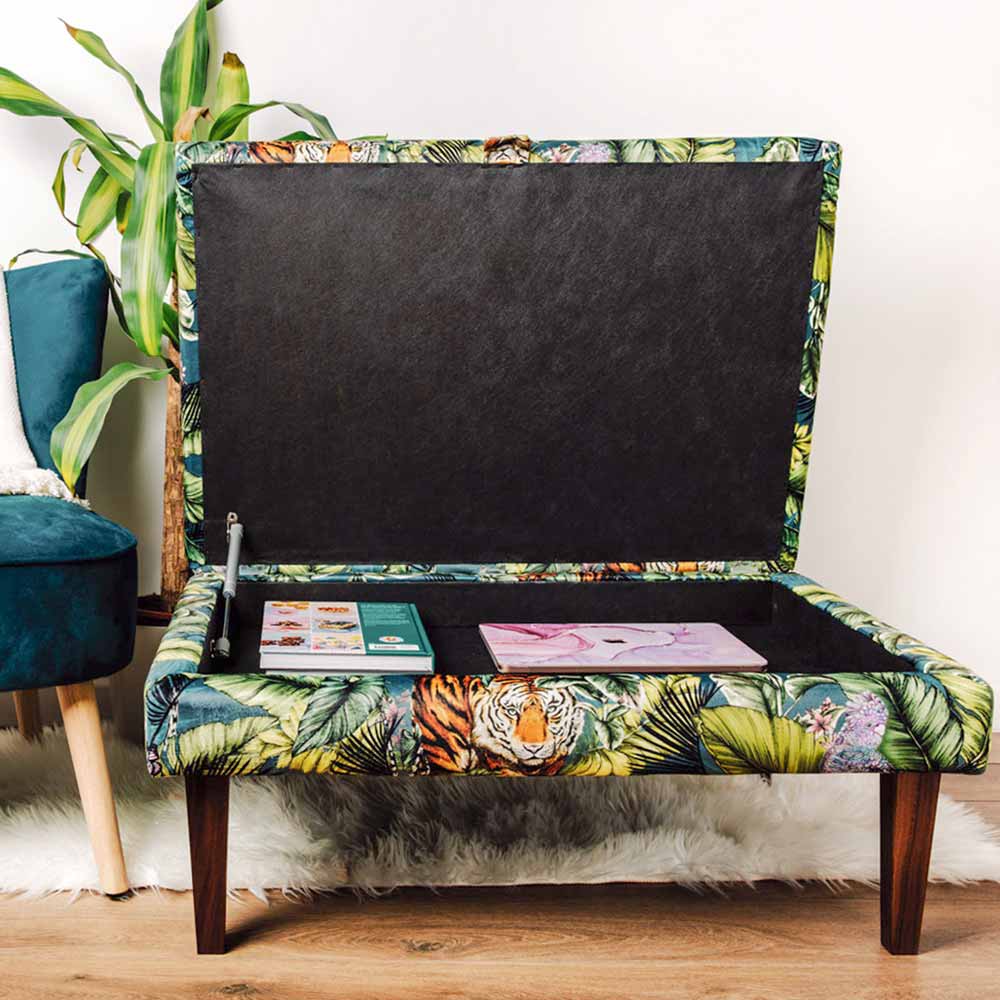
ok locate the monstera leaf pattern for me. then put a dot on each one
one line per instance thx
(929, 715)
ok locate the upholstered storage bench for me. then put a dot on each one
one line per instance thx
(483, 386)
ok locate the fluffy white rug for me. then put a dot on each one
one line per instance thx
(299, 833)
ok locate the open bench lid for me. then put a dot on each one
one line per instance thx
(462, 364)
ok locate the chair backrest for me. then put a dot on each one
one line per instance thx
(58, 312)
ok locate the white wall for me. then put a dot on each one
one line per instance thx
(901, 514)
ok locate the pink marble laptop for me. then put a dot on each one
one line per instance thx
(672, 647)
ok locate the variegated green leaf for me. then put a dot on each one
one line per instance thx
(148, 247)
(20, 97)
(98, 205)
(170, 324)
(117, 163)
(122, 209)
(232, 87)
(79, 147)
(51, 253)
(94, 44)
(124, 140)
(74, 437)
(227, 123)
(75, 150)
(114, 289)
(185, 67)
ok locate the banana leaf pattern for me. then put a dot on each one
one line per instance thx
(506, 150)
(931, 714)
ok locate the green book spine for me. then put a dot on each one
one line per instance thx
(392, 630)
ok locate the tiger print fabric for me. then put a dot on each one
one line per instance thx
(508, 725)
(930, 715)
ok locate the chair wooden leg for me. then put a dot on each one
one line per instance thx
(208, 833)
(908, 808)
(29, 716)
(78, 704)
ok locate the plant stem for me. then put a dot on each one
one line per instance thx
(173, 559)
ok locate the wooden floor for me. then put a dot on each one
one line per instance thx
(566, 943)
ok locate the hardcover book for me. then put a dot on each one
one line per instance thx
(343, 637)
(617, 648)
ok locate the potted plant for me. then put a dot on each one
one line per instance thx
(132, 186)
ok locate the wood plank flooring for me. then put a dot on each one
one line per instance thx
(563, 943)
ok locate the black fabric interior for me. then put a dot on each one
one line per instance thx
(459, 364)
(789, 632)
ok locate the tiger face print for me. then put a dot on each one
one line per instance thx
(509, 726)
(518, 726)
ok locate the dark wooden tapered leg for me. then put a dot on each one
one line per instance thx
(909, 804)
(29, 717)
(208, 832)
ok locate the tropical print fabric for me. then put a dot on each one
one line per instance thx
(506, 152)
(930, 715)
(503, 572)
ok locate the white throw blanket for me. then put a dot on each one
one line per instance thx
(19, 472)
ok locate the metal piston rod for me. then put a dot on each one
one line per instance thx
(234, 535)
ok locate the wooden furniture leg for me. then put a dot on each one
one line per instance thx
(208, 833)
(908, 808)
(29, 716)
(78, 704)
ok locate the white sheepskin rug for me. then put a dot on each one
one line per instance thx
(297, 833)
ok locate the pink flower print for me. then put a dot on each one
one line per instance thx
(821, 721)
(818, 723)
(562, 153)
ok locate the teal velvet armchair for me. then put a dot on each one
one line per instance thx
(67, 575)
